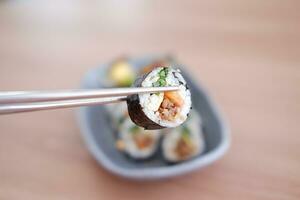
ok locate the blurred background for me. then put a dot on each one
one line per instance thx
(247, 53)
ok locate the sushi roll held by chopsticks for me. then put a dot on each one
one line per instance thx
(160, 110)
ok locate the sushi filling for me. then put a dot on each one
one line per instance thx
(142, 141)
(168, 109)
(171, 106)
(172, 101)
(185, 146)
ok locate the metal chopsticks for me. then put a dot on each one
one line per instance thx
(26, 101)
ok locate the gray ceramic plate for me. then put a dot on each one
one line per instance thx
(97, 132)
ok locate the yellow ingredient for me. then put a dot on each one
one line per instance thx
(122, 74)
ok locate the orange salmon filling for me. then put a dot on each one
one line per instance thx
(184, 149)
(171, 106)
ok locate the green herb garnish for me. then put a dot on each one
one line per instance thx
(162, 73)
(161, 82)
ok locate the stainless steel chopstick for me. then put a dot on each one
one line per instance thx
(28, 107)
(26, 101)
(42, 96)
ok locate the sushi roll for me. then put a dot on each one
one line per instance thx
(185, 142)
(136, 142)
(160, 110)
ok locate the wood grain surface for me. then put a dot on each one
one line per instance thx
(247, 53)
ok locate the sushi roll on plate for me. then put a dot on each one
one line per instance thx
(136, 142)
(160, 110)
(185, 142)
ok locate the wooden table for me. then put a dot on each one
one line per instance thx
(247, 53)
